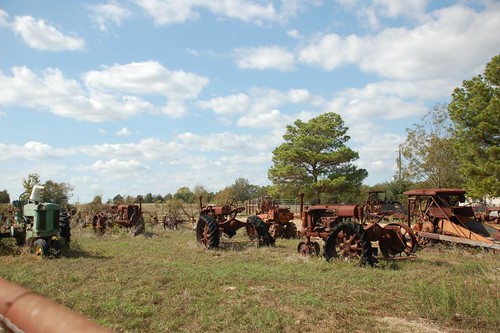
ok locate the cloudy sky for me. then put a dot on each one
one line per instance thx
(146, 96)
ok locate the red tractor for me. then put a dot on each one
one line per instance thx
(279, 219)
(348, 232)
(127, 216)
(217, 220)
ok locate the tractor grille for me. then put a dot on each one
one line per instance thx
(42, 220)
(56, 219)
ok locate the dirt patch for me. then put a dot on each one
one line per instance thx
(414, 326)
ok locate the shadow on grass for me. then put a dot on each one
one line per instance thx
(76, 251)
(239, 246)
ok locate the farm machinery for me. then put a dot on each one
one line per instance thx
(217, 220)
(40, 225)
(348, 232)
(128, 216)
(279, 219)
(439, 214)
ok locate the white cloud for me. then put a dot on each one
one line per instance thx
(107, 13)
(124, 132)
(397, 8)
(221, 142)
(147, 149)
(40, 35)
(117, 168)
(452, 42)
(110, 94)
(177, 11)
(228, 105)
(299, 95)
(148, 77)
(294, 33)
(264, 120)
(4, 18)
(271, 57)
(32, 150)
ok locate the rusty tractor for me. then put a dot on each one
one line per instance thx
(127, 216)
(279, 219)
(379, 208)
(40, 225)
(217, 220)
(172, 220)
(437, 215)
(347, 234)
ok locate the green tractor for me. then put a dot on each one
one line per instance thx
(39, 225)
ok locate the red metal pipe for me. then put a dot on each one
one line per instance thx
(22, 310)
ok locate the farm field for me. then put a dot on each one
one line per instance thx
(163, 281)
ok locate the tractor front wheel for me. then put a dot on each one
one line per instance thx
(41, 248)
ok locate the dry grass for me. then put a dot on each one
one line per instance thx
(164, 282)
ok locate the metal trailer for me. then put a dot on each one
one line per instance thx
(439, 214)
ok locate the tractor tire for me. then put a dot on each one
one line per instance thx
(290, 231)
(65, 227)
(41, 248)
(55, 248)
(350, 233)
(207, 232)
(265, 238)
(138, 228)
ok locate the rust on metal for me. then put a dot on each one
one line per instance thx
(22, 310)
(348, 230)
(216, 220)
(441, 212)
(279, 220)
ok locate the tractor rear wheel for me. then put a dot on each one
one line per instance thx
(290, 230)
(207, 232)
(65, 227)
(41, 248)
(346, 242)
(265, 238)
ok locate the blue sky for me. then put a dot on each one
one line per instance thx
(146, 96)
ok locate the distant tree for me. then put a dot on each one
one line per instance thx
(314, 159)
(222, 196)
(28, 184)
(148, 198)
(96, 204)
(118, 199)
(4, 197)
(242, 190)
(58, 193)
(199, 190)
(157, 198)
(129, 200)
(184, 194)
(475, 111)
(428, 152)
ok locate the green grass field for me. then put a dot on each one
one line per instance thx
(164, 282)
